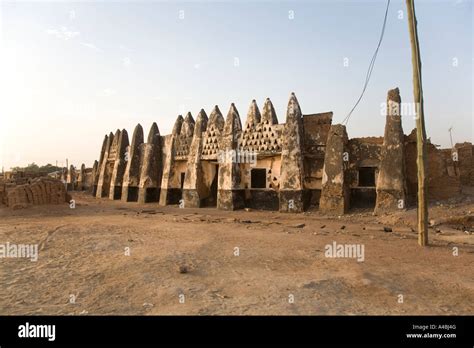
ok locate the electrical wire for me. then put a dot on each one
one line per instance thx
(371, 66)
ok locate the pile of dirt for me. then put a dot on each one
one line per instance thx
(39, 191)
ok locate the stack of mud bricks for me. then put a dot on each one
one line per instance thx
(3, 196)
(40, 191)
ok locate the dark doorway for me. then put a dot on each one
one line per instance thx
(105, 191)
(363, 197)
(117, 192)
(366, 177)
(258, 178)
(212, 199)
(182, 176)
(132, 194)
(314, 197)
(152, 194)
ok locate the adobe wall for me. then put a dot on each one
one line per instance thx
(442, 179)
(362, 153)
(465, 153)
(316, 130)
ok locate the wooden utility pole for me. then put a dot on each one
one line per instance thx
(420, 126)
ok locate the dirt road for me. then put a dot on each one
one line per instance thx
(105, 257)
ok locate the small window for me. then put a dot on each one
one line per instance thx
(182, 179)
(367, 177)
(258, 178)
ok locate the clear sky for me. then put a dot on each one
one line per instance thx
(70, 72)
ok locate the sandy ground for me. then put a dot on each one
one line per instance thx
(281, 267)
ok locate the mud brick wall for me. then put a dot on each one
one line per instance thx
(363, 152)
(3, 195)
(335, 194)
(465, 163)
(39, 192)
(442, 180)
(316, 130)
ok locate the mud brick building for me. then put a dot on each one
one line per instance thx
(76, 179)
(263, 164)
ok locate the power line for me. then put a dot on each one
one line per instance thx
(371, 66)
